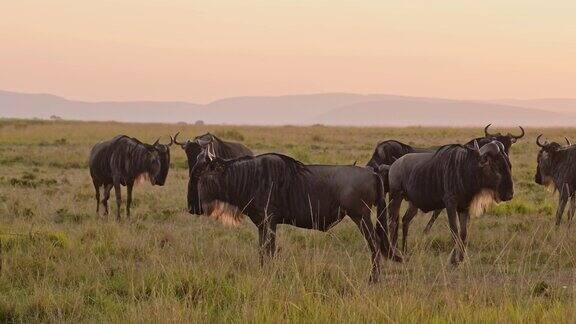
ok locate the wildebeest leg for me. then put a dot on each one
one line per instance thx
(453, 222)
(267, 238)
(395, 203)
(463, 218)
(572, 209)
(563, 199)
(107, 189)
(432, 220)
(97, 189)
(406, 220)
(118, 199)
(382, 232)
(366, 227)
(129, 198)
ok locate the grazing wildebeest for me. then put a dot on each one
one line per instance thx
(122, 161)
(456, 177)
(557, 168)
(222, 149)
(274, 189)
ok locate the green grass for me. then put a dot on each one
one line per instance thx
(68, 264)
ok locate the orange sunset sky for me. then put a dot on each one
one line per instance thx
(204, 50)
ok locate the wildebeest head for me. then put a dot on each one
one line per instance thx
(547, 160)
(507, 140)
(495, 170)
(159, 162)
(211, 188)
(194, 147)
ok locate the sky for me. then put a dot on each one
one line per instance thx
(200, 51)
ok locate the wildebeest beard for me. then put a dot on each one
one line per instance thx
(142, 178)
(227, 194)
(482, 201)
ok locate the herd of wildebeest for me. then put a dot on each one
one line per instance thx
(227, 181)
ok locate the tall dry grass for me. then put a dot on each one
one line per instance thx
(167, 266)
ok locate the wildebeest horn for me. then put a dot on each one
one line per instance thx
(521, 135)
(157, 141)
(567, 141)
(176, 141)
(486, 130)
(538, 141)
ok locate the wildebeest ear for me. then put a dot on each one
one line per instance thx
(203, 142)
(149, 147)
(476, 147)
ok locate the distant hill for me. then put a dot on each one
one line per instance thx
(431, 112)
(21, 105)
(329, 109)
(560, 105)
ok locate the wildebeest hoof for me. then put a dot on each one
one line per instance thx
(396, 258)
(456, 258)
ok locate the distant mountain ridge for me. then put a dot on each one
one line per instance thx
(327, 108)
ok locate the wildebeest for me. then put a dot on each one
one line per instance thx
(506, 140)
(122, 161)
(389, 151)
(222, 149)
(557, 168)
(274, 189)
(456, 177)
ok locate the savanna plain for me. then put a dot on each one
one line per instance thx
(63, 262)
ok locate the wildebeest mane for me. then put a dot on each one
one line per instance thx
(132, 157)
(565, 170)
(451, 168)
(277, 175)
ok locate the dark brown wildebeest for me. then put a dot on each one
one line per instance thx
(220, 148)
(274, 189)
(386, 153)
(389, 151)
(506, 140)
(557, 168)
(124, 160)
(456, 177)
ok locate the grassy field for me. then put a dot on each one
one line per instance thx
(62, 262)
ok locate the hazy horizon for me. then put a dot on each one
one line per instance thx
(202, 51)
(326, 109)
